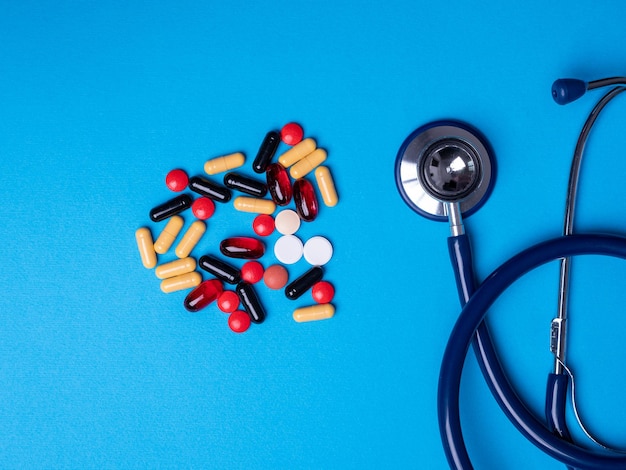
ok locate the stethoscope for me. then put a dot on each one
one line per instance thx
(445, 171)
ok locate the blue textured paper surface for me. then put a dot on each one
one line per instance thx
(99, 100)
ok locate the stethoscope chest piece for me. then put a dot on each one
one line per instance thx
(444, 162)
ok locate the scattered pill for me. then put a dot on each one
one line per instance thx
(250, 300)
(209, 189)
(176, 180)
(326, 186)
(170, 208)
(318, 251)
(266, 152)
(287, 222)
(313, 313)
(220, 269)
(276, 277)
(303, 283)
(242, 248)
(175, 268)
(146, 247)
(288, 249)
(184, 281)
(254, 205)
(263, 225)
(308, 164)
(224, 163)
(323, 292)
(190, 239)
(239, 321)
(279, 184)
(291, 133)
(252, 272)
(297, 152)
(305, 200)
(203, 208)
(245, 184)
(205, 293)
(169, 234)
(228, 301)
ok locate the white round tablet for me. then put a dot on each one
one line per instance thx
(288, 249)
(318, 251)
(287, 222)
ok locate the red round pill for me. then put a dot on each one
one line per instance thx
(239, 321)
(323, 292)
(291, 133)
(177, 180)
(252, 272)
(228, 301)
(276, 276)
(263, 225)
(203, 208)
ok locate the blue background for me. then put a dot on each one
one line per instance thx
(99, 100)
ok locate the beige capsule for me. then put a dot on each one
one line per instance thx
(190, 239)
(175, 268)
(146, 247)
(224, 163)
(313, 313)
(326, 185)
(297, 152)
(255, 205)
(169, 234)
(183, 281)
(308, 164)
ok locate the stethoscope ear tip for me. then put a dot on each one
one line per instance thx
(566, 90)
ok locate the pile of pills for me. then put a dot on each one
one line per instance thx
(285, 181)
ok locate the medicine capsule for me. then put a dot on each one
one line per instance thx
(242, 248)
(209, 189)
(297, 152)
(203, 295)
(190, 239)
(254, 205)
(171, 207)
(302, 284)
(313, 313)
(305, 200)
(326, 186)
(146, 247)
(266, 151)
(175, 268)
(184, 281)
(250, 301)
(308, 164)
(279, 184)
(168, 235)
(245, 184)
(224, 163)
(220, 269)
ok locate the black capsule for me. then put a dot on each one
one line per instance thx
(250, 301)
(171, 207)
(245, 184)
(299, 286)
(266, 151)
(209, 189)
(220, 269)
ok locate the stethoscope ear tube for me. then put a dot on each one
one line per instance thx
(470, 320)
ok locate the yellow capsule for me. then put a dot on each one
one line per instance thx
(225, 163)
(146, 247)
(190, 239)
(326, 186)
(175, 268)
(253, 204)
(297, 152)
(183, 281)
(168, 235)
(313, 313)
(308, 164)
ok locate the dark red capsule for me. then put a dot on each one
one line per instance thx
(250, 300)
(279, 184)
(305, 200)
(242, 247)
(205, 293)
(266, 151)
(171, 207)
